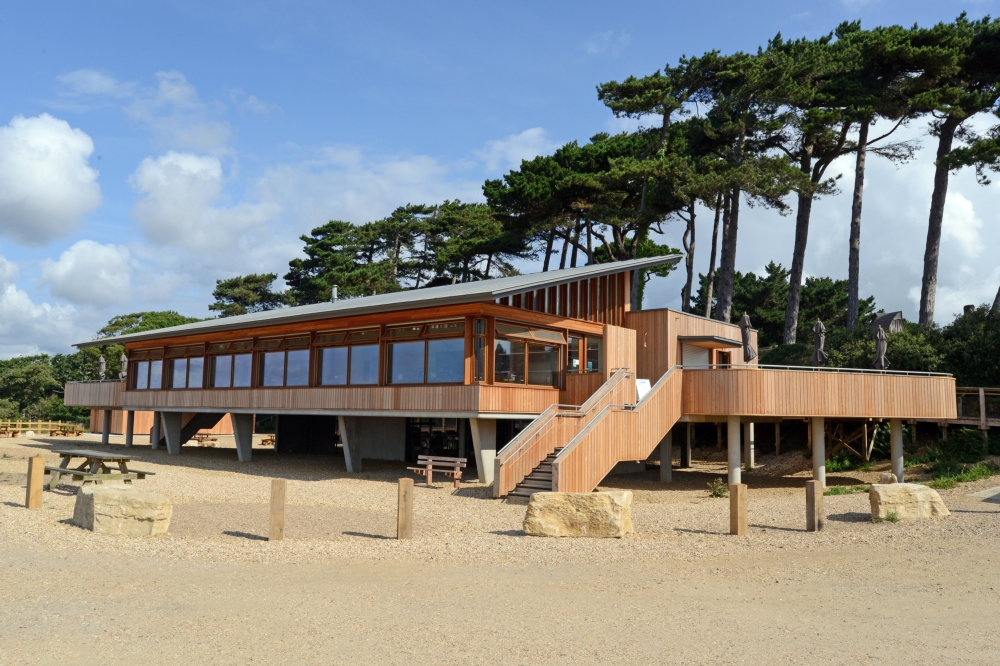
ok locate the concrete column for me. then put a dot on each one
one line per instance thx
(129, 427)
(748, 446)
(461, 438)
(484, 441)
(243, 433)
(818, 430)
(154, 434)
(733, 428)
(896, 447)
(352, 447)
(106, 427)
(667, 457)
(172, 431)
(686, 449)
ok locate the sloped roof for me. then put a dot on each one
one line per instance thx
(452, 294)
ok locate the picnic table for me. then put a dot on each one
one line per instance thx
(267, 441)
(94, 468)
(205, 440)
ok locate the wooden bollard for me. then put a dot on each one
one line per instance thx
(277, 528)
(36, 473)
(404, 519)
(738, 509)
(815, 516)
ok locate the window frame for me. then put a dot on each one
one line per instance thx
(231, 349)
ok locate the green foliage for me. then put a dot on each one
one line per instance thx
(26, 385)
(892, 516)
(964, 473)
(248, 293)
(971, 347)
(845, 490)
(138, 322)
(718, 488)
(9, 409)
(915, 348)
(840, 463)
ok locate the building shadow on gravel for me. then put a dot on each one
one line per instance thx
(245, 535)
(850, 517)
(510, 533)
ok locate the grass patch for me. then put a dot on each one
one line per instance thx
(865, 466)
(892, 517)
(962, 472)
(846, 490)
(929, 456)
(943, 483)
(838, 465)
(718, 488)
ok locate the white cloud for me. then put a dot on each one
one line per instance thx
(179, 204)
(46, 183)
(608, 41)
(171, 108)
(961, 224)
(252, 103)
(507, 153)
(90, 273)
(27, 327)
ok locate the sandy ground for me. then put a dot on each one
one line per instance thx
(471, 587)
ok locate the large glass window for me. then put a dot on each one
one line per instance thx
(406, 362)
(231, 370)
(222, 371)
(141, 374)
(332, 366)
(186, 372)
(574, 355)
(595, 354)
(446, 361)
(272, 369)
(364, 364)
(178, 373)
(242, 370)
(155, 374)
(543, 365)
(509, 362)
(297, 368)
(285, 361)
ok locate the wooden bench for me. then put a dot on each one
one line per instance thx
(451, 467)
(80, 475)
(66, 432)
(267, 441)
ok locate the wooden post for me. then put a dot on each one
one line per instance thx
(277, 528)
(404, 517)
(738, 509)
(36, 472)
(815, 516)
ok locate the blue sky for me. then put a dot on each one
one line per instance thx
(148, 149)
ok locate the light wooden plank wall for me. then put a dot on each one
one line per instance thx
(580, 386)
(144, 423)
(791, 393)
(93, 394)
(657, 331)
(619, 349)
(617, 435)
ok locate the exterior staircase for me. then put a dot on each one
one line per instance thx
(571, 449)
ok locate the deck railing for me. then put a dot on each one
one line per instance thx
(95, 394)
(553, 428)
(619, 432)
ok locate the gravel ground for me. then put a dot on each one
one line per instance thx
(724, 605)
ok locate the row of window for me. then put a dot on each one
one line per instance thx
(416, 354)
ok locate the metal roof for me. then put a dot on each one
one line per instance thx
(708, 341)
(452, 294)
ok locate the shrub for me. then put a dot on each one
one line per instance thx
(718, 488)
(892, 517)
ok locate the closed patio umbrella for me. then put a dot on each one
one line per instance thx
(881, 343)
(102, 368)
(819, 339)
(749, 353)
(124, 366)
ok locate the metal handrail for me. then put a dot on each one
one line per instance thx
(94, 381)
(808, 368)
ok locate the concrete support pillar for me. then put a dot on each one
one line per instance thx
(818, 431)
(154, 434)
(461, 438)
(686, 449)
(484, 441)
(733, 428)
(896, 447)
(129, 427)
(106, 428)
(243, 434)
(172, 431)
(667, 457)
(748, 444)
(352, 447)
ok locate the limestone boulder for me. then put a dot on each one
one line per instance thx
(604, 514)
(121, 509)
(909, 500)
(887, 477)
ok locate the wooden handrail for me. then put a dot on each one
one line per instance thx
(551, 429)
(619, 432)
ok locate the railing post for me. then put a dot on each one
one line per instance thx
(738, 509)
(404, 510)
(815, 516)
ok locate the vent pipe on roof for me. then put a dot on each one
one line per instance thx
(333, 296)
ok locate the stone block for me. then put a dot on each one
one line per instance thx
(887, 477)
(121, 509)
(604, 514)
(909, 500)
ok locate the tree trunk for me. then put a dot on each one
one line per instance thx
(727, 264)
(798, 255)
(548, 250)
(688, 242)
(854, 253)
(489, 264)
(928, 286)
(565, 247)
(576, 240)
(710, 286)
(590, 242)
(635, 278)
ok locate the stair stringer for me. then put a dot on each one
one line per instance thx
(620, 432)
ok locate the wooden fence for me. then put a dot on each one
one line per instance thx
(21, 426)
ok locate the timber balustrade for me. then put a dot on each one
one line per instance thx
(21, 426)
(556, 426)
(792, 391)
(94, 394)
(621, 431)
